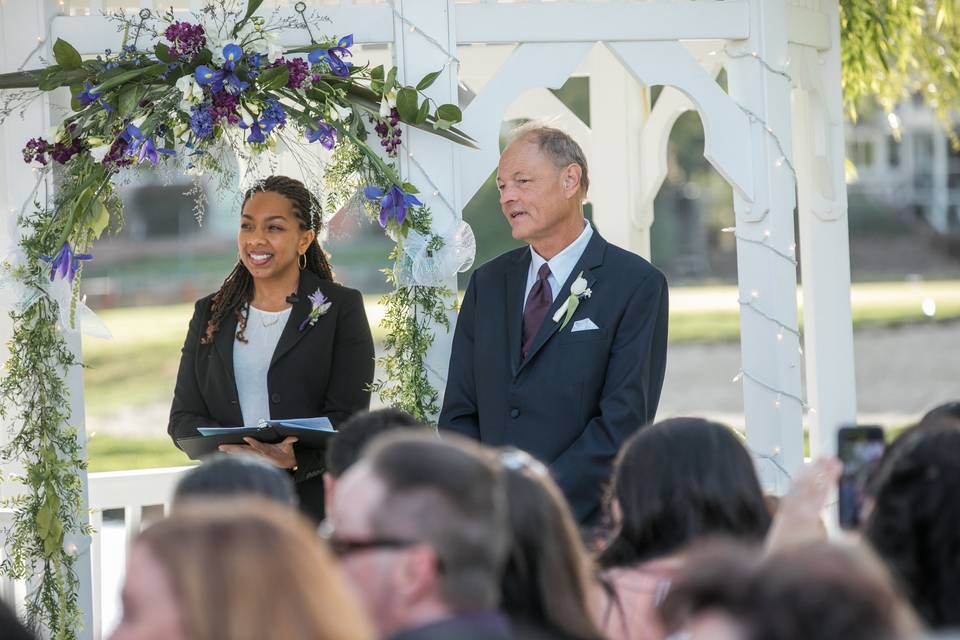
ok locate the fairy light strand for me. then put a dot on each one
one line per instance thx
(437, 192)
(426, 36)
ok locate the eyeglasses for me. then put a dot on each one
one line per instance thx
(342, 547)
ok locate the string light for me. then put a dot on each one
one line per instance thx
(426, 36)
(781, 394)
(437, 193)
(760, 312)
(789, 255)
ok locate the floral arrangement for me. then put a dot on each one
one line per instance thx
(217, 84)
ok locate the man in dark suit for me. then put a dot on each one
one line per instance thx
(560, 347)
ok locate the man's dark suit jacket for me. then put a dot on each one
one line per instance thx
(578, 395)
(323, 370)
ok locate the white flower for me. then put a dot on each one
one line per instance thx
(339, 113)
(579, 286)
(192, 92)
(274, 52)
(384, 108)
(98, 153)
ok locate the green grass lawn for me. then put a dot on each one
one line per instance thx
(139, 366)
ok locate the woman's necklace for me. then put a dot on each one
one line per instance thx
(266, 324)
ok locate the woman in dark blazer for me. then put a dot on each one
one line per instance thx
(279, 339)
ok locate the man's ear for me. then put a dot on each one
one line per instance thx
(418, 573)
(329, 486)
(571, 180)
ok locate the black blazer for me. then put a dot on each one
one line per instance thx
(578, 395)
(323, 370)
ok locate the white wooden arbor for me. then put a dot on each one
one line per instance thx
(775, 136)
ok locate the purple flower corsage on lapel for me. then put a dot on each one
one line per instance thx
(320, 307)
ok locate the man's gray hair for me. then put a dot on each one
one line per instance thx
(557, 145)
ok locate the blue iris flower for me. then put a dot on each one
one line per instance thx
(66, 263)
(324, 133)
(393, 203)
(258, 129)
(142, 147)
(204, 75)
(334, 56)
(233, 54)
(88, 95)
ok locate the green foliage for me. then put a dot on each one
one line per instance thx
(35, 399)
(893, 48)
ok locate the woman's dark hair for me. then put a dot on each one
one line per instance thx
(678, 481)
(10, 626)
(546, 581)
(915, 522)
(818, 591)
(237, 289)
(222, 475)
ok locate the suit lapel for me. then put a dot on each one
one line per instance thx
(223, 342)
(516, 281)
(592, 257)
(301, 309)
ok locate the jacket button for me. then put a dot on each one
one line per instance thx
(275, 398)
(514, 413)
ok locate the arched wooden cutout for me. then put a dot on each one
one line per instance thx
(726, 128)
(531, 65)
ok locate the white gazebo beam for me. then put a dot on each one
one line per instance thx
(369, 24)
(824, 241)
(769, 339)
(424, 42)
(567, 21)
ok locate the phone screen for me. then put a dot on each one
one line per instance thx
(859, 449)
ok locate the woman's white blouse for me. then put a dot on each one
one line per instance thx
(251, 361)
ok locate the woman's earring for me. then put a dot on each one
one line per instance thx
(302, 261)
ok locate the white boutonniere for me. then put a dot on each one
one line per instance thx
(578, 291)
(320, 307)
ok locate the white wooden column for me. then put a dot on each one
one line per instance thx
(619, 106)
(24, 32)
(824, 241)
(769, 346)
(425, 40)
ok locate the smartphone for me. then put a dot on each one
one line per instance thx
(859, 449)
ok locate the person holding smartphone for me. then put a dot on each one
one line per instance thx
(280, 339)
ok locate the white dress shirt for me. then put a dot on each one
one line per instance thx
(561, 265)
(251, 362)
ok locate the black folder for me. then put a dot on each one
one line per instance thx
(313, 432)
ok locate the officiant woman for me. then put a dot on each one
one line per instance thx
(280, 339)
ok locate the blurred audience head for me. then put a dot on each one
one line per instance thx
(729, 592)
(915, 522)
(678, 481)
(10, 626)
(236, 569)
(420, 526)
(547, 579)
(947, 412)
(225, 475)
(354, 435)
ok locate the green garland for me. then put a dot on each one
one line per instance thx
(48, 449)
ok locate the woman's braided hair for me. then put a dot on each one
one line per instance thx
(237, 290)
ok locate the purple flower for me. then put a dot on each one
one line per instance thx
(333, 57)
(201, 121)
(187, 39)
(65, 263)
(63, 153)
(117, 154)
(36, 149)
(319, 306)
(325, 134)
(225, 106)
(393, 203)
(298, 72)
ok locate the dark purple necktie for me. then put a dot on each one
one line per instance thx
(538, 303)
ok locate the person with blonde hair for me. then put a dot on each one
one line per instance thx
(237, 569)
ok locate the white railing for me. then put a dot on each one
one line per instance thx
(142, 496)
